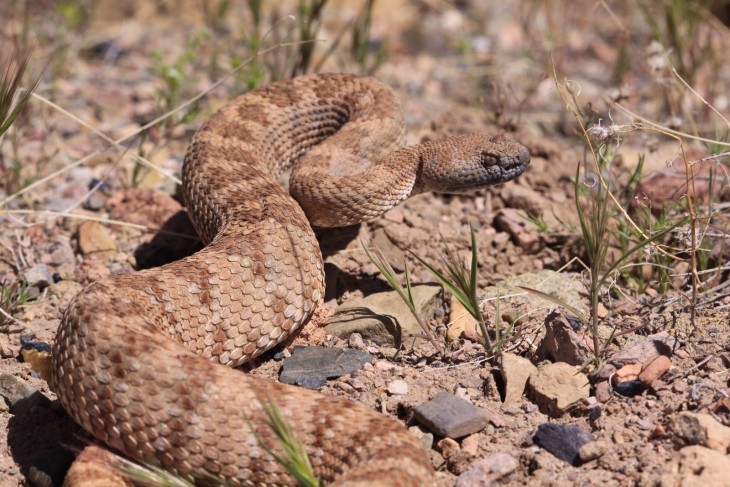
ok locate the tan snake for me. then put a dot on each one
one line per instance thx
(132, 356)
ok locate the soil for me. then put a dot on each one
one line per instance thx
(458, 67)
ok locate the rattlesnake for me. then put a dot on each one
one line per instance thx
(132, 356)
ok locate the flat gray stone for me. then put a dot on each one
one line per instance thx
(310, 367)
(450, 416)
(383, 317)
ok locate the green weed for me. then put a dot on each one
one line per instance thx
(13, 295)
(13, 99)
(460, 279)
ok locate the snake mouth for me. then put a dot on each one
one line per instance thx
(505, 164)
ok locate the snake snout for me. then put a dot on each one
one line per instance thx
(508, 158)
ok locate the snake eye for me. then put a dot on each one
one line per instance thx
(488, 159)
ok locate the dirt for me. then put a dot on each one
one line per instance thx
(458, 67)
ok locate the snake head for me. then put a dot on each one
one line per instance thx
(469, 162)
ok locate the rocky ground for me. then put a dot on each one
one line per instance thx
(77, 208)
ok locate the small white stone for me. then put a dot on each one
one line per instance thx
(398, 387)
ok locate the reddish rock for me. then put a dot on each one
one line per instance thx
(627, 373)
(654, 369)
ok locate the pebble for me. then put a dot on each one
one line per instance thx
(591, 451)
(385, 365)
(398, 387)
(606, 372)
(628, 372)
(654, 369)
(355, 341)
(629, 388)
(603, 391)
(310, 367)
(617, 437)
(563, 441)
(94, 237)
(447, 447)
(470, 444)
(449, 416)
(93, 203)
(39, 275)
(22, 398)
(425, 437)
(487, 471)
(461, 322)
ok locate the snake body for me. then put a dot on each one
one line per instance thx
(132, 356)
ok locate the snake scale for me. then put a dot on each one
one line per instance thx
(132, 356)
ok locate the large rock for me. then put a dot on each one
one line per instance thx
(700, 429)
(383, 317)
(514, 301)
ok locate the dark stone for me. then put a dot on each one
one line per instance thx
(595, 413)
(93, 203)
(629, 388)
(22, 398)
(451, 416)
(563, 441)
(310, 367)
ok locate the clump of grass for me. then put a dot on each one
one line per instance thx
(13, 295)
(13, 99)
(461, 280)
(406, 294)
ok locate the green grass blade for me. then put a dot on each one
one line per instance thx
(450, 286)
(387, 270)
(473, 269)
